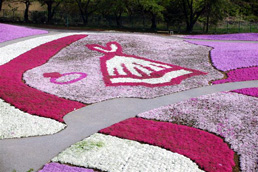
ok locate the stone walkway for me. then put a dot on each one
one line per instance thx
(33, 152)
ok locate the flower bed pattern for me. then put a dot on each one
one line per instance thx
(7, 54)
(11, 32)
(232, 55)
(108, 153)
(248, 91)
(14, 91)
(230, 115)
(122, 69)
(16, 124)
(193, 143)
(237, 37)
(92, 89)
(55, 167)
(244, 74)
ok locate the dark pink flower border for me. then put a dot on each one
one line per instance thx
(14, 91)
(208, 150)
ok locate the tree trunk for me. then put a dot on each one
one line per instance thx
(26, 12)
(153, 22)
(118, 20)
(49, 11)
(207, 23)
(85, 19)
(208, 20)
(190, 26)
(1, 2)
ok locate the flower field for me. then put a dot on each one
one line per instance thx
(230, 115)
(211, 130)
(11, 32)
(232, 37)
(146, 68)
(49, 76)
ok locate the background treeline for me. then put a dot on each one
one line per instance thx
(185, 14)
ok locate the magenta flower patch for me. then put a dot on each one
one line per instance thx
(248, 91)
(10, 32)
(237, 75)
(122, 69)
(207, 150)
(237, 37)
(244, 74)
(17, 93)
(55, 76)
(55, 167)
(232, 55)
(230, 115)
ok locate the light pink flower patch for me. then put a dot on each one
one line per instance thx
(10, 32)
(122, 69)
(235, 36)
(207, 150)
(17, 93)
(231, 55)
(166, 55)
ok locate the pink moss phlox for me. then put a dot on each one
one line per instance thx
(231, 115)
(55, 167)
(248, 91)
(10, 32)
(117, 52)
(78, 58)
(243, 74)
(52, 75)
(237, 36)
(232, 55)
(207, 150)
(82, 76)
(14, 91)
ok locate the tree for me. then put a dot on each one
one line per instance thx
(246, 8)
(1, 3)
(192, 10)
(27, 5)
(115, 8)
(154, 8)
(173, 14)
(52, 6)
(215, 11)
(87, 8)
(26, 12)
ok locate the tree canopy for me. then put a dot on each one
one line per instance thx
(179, 12)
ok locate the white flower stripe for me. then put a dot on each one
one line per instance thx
(7, 53)
(15, 123)
(166, 78)
(113, 154)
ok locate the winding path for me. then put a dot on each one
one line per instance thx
(33, 152)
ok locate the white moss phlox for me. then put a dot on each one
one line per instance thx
(109, 153)
(15, 123)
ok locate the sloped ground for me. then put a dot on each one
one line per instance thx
(51, 76)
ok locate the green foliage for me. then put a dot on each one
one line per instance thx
(86, 146)
(30, 170)
(38, 17)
